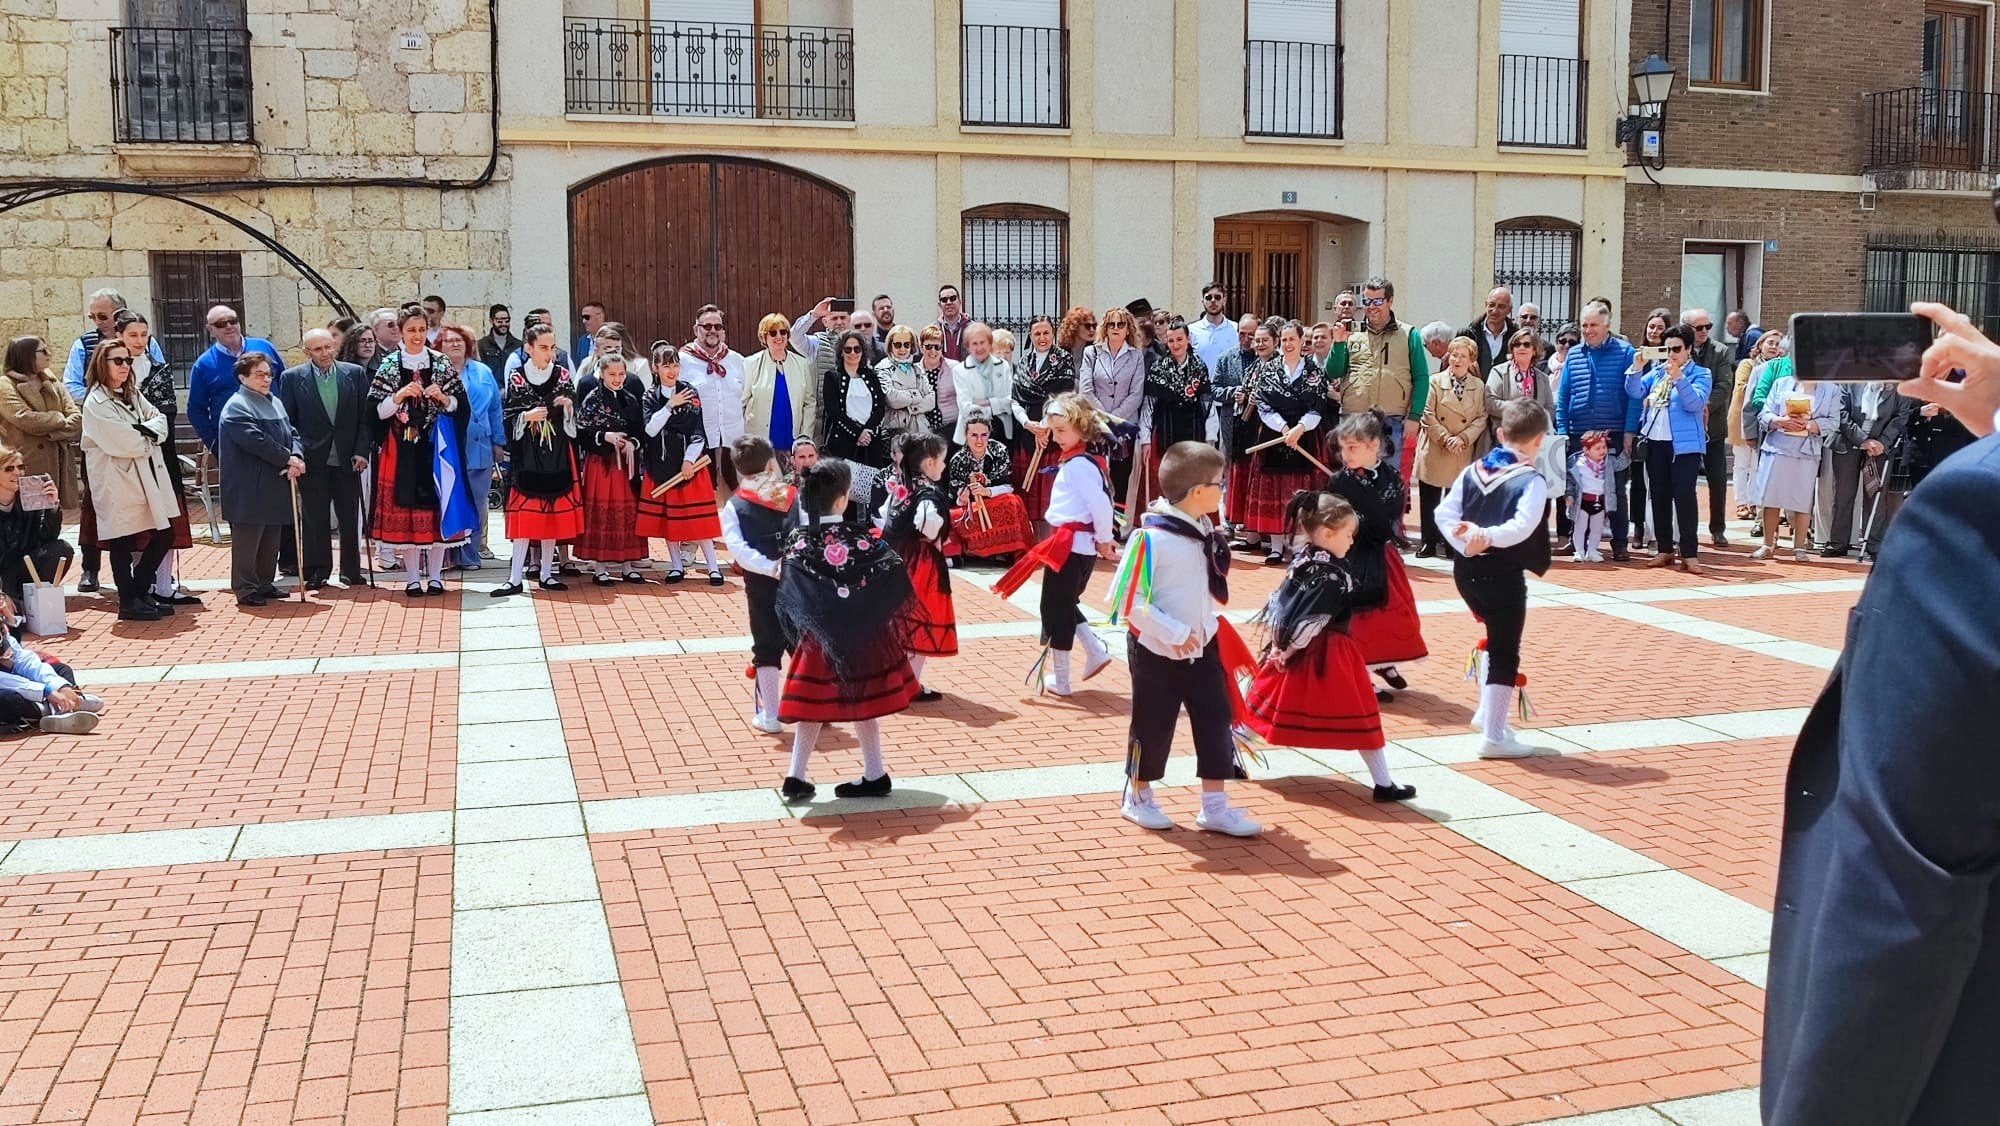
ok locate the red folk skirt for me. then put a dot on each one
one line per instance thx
(683, 514)
(1034, 494)
(1391, 633)
(1010, 534)
(610, 513)
(545, 518)
(393, 523)
(1320, 699)
(813, 695)
(929, 618)
(1258, 497)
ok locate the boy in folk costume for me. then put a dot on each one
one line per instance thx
(1169, 590)
(545, 500)
(1312, 687)
(1081, 520)
(1385, 626)
(609, 425)
(916, 522)
(841, 593)
(755, 523)
(1493, 517)
(677, 495)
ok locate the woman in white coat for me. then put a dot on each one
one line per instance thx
(130, 492)
(985, 386)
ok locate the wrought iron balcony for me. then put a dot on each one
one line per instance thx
(1920, 137)
(1542, 101)
(1291, 89)
(1014, 76)
(682, 68)
(181, 85)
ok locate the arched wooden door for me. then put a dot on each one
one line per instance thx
(656, 241)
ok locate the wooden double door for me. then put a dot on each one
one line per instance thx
(1265, 267)
(656, 241)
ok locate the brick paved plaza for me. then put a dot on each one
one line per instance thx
(497, 862)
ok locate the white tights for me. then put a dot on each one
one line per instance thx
(707, 551)
(521, 560)
(416, 560)
(868, 731)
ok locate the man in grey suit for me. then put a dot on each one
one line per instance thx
(327, 401)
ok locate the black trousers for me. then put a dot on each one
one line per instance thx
(1715, 468)
(1061, 591)
(1499, 597)
(1428, 497)
(1620, 517)
(1161, 687)
(253, 557)
(132, 566)
(1673, 496)
(47, 557)
(767, 637)
(18, 713)
(1846, 483)
(327, 494)
(1639, 476)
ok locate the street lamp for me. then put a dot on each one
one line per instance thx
(1652, 85)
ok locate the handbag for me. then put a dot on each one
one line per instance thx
(43, 606)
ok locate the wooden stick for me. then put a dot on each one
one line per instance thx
(985, 518)
(32, 572)
(1028, 482)
(660, 490)
(62, 569)
(1262, 446)
(1317, 464)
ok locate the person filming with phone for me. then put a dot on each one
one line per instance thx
(1883, 1003)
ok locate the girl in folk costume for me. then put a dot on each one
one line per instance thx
(1044, 372)
(1385, 624)
(916, 522)
(545, 502)
(989, 519)
(1311, 689)
(1180, 403)
(853, 405)
(418, 397)
(754, 525)
(609, 426)
(840, 602)
(676, 498)
(1082, 524)
(1290, 392)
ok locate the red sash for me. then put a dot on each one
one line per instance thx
(1051, 553)
(1237, 661)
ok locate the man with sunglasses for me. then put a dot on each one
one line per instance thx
(212, 382)
(952, 321)
(1720, 361)
(1385, 366)
(102, 309)
(1213, 334)
(715, 371)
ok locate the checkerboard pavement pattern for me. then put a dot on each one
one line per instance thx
(494, 861)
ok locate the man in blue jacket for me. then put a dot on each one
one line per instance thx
(211, 383)
(1593, 397)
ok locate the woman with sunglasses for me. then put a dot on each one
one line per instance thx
(1657, 323)
(779, 399)
(1673, 421)
(908, 390)
(26, 534)
(1079, 329)
(854, 403)
(940, 374)
(156, 382)
(1112, 373)
(131, 495)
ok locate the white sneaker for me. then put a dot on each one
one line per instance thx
(1231, 820)
(69, 723)
(1763, 552)
(1145, 814)
(1095, 662)
(769, 725)
(1596, 557)
(1055, 686)
(93, 704)
(1507, 748)
(1579, 557)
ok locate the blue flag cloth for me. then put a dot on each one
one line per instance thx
(456, 515)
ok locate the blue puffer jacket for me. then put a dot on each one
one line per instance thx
(1592, 395)
(1686, 406)
(484, 426)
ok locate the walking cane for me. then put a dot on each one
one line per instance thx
(298, 535)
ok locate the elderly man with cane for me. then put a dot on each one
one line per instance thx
(1884, 1000)
(258, 449)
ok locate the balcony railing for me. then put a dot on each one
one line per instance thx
(680, 68)
(1014, 76)
(1921, 136)
(1542, 101)
(188, 85)
(1291, 89)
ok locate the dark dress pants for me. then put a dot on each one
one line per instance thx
(327, 494)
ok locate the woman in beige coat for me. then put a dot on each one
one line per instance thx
(130, 490)
(1453, 434)
(763, 414)
(37, 416)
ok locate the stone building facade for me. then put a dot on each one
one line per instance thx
(1809, 168)
(271, 96)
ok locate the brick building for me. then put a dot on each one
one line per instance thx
(1814, 166)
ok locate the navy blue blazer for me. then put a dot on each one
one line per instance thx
(1883, 1007)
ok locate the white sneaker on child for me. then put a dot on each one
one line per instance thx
(1231, 821)
(769, 725)
(1596, 556)
(69, 723)
(1579, 557)
(92, 703)
(1509, 747)
(1144, 813)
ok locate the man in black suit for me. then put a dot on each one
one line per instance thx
(327, 401)
(1883, 1007)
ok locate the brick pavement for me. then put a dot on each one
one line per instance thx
(988, 959)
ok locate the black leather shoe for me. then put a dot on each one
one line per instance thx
(1833, 552)
(927, 696)
(1620, 555)
(1428, 551)
(866, 788)
(87, 584)
(253, 600)
(1395, 793)
(139, 610)
(159, 604)
(795, 790)
(414, 590)
(182, 598)
(436, 588)
(504, 591)
(553, 584)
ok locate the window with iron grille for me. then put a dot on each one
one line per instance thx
(1538, 260)
(1961, 273)
(1291, 69)
(180, 72)
(1016, 264)
(1014, 64)
(186, 285)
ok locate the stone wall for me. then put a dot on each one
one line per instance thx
(337, 96)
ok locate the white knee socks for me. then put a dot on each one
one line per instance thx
(674, 561)
(803, 739)
(436, 552)
(916, 669)
(163, 579)
(413, 564)
(1377, 762)
(1093, 645)
(1059, 666)
(708, 553)
(769, 688)
(520, 565)
(869, 731)
(1494, 702)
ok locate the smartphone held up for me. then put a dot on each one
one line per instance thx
(1859, 347)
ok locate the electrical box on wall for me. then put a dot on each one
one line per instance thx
(1649, 144)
